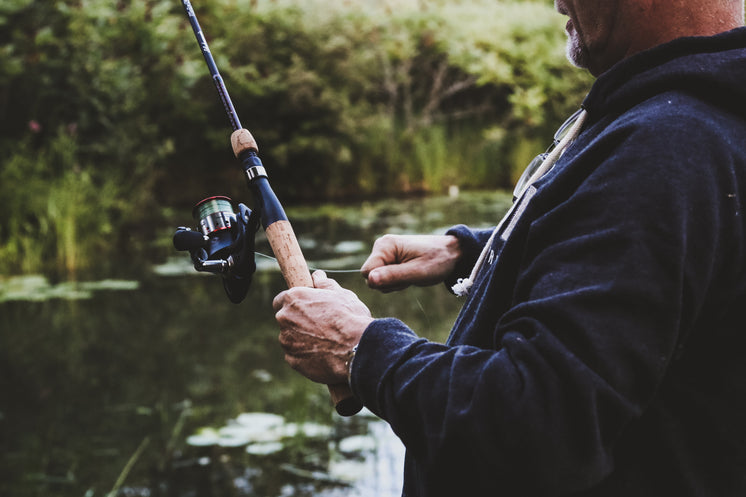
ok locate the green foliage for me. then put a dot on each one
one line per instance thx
(81, 146)
(346, 97)
(60, 213)
(109, 104)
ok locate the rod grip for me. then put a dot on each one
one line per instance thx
(287, 251)
(295, 271)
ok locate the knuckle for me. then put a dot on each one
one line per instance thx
(293, 362)
(383, 240)
(387, 238)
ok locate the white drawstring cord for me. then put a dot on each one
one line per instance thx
(463, 285)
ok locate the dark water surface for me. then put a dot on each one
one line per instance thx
(156, 385)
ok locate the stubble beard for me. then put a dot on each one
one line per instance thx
(576, 51)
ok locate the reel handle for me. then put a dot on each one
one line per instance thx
(293, 265)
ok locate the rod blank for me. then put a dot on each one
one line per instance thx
(216, 77)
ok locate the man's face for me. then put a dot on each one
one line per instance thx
(593, 30)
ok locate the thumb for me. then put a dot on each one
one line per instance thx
(373, 262)
(320, 280)
(389, 278)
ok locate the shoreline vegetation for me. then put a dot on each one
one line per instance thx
(110, 125)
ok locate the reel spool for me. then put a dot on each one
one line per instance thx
(215, 218)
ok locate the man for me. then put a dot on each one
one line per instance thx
(600, 351)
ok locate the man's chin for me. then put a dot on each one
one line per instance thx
(576, 54)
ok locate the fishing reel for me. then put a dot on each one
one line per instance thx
(223, 243)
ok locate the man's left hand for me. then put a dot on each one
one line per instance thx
(319, 327)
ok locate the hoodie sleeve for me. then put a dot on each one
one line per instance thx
(604, 285)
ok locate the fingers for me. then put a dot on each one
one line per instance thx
(382, 269)
(320, 280)
(278, 301)
(383, 253)
(320, 294)
(373, 261)
(319, 326)
(398, 261)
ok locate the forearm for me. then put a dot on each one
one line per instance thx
(483, 412)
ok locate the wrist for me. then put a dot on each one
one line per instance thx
(348, 364)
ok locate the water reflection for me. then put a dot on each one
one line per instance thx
(103, 384)
(268, 456)
(38, 288)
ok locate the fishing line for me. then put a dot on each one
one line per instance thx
(341, 271)
(312, 268)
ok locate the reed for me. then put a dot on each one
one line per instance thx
(61, 213)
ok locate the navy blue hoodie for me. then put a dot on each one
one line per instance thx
(603, 351)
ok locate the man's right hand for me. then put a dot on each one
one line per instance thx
(398, 261)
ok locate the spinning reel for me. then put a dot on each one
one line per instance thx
(223, 243)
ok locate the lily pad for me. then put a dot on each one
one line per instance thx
(204, 437)
(37, 288)
(260, 429)
(348, 470)
(264, 448)
(309, 430)
(358, 443)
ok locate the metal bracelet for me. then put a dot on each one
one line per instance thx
(348, 364)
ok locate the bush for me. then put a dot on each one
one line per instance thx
(347, 98)
(83, 90)
(110, 104)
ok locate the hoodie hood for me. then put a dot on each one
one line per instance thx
(711, 68)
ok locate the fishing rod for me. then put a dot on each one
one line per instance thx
(224, 244)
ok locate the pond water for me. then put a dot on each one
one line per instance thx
(154, 384)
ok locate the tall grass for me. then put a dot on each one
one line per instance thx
(59, 212)
(431, 159)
